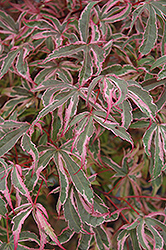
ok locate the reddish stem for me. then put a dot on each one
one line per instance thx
(16, 154)
(7, 218)
(49, 139)
(38, 192)
(144, 196)
(117, 208)
(129, 205)
(116, 185)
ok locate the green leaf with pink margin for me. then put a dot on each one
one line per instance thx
(71, 215)
(155, 222)
(66, 51)
(54, 105)
(3, 206)
(92, 85)
(123, 235)
(159, 62)
(22, 65)
(124, 11)
(64, 183)
(84, 21)
(150, 34)
(46, 227)
(4, 173)
(101, 237)
(8, 23)
(11, 138)
(142, 99)
(158, 240)
(84, 132)
(86, 215)
(44, 160)
(122, 87)
(159, 154)
(136, 13)
(109, 162)
(18, 183)
(7, 61)
(79, 180)
(18, 220)
(28, 146)
(84, 241)
(115, 128)
(163, 135)
(147, 138)
(65, 235)
(141, 234)
(126, 113)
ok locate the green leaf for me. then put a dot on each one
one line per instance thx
(87, 217)
(79, 180)
(64, 183)
(115, 128)
(18, 220)
(8, 21)
(66, 51)
(141, 235)
(101, 237)
(135, 242)
(122, 86)
(155, 222)
(158, 240)
(8, 60)
(30, 147)
(109, 162)
(142, 99)
(3, 209)
(126, 113)
(159, 62)
(148, 136)
(71, 216)
(150, 34)
(92, 86)
(136, 13)
(54, 105)
(46, 157)
(158, 162)
(84, 21)
(84, 242)
(11, 138)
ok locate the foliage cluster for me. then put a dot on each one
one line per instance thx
(83, 124)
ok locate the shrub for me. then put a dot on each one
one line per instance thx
(83, 124)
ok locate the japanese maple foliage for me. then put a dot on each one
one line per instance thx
(83, 124)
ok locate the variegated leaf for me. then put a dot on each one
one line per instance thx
(8, 60)
(148, 136)
(142, 99)
(115, 128)
(54, 105)
(150, 34)
(87, 217)
(71, 215)
(19, 184)
(47, 227)
(101, 238)
(18, 220)
(64, 183)
(11, 138)
(30, 147)
(84, 21)
(66, 51)
(78, 177)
